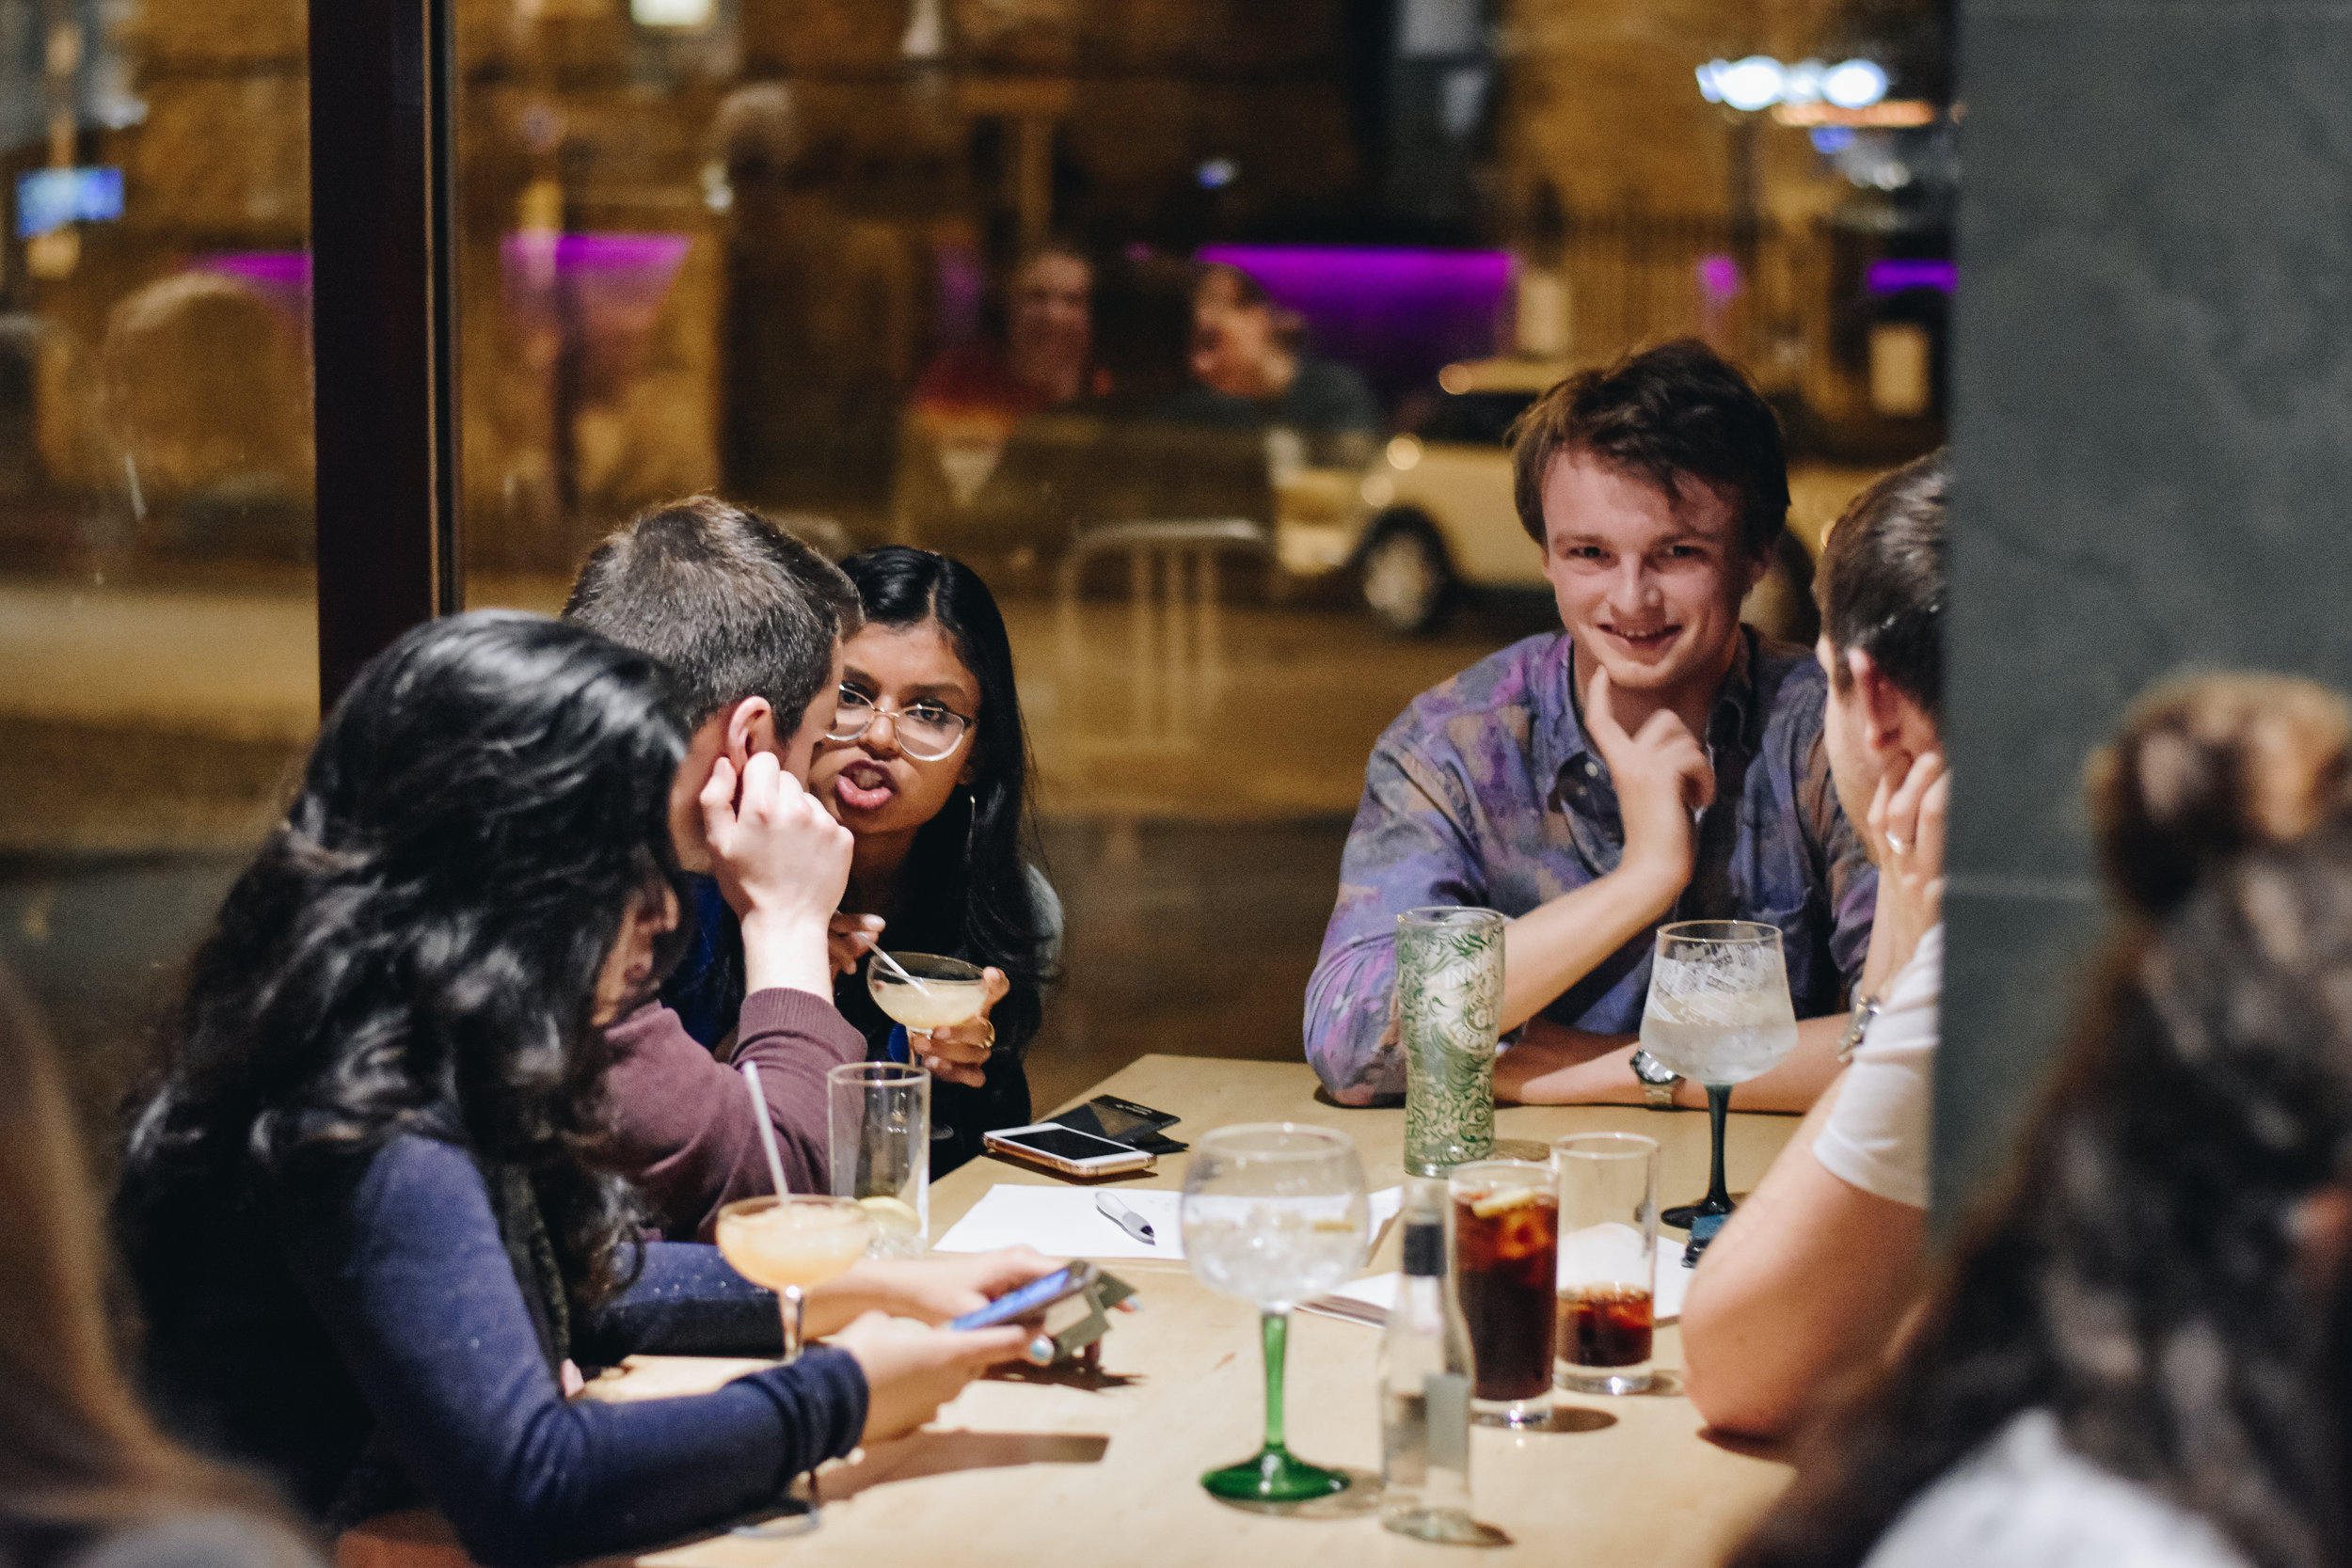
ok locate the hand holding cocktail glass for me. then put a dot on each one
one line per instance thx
(945, 1003)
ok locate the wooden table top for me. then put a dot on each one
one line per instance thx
(1027, 1468)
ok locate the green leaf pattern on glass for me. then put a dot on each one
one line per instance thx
(1449, 980)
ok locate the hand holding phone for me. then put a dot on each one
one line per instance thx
(1032, 1298)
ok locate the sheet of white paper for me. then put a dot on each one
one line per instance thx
(1379, 1289)
(1063, 1222)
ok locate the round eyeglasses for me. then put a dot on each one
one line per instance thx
(926, 731)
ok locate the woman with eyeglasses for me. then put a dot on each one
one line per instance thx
(926, 766)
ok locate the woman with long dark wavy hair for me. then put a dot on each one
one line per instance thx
(927, 765)
(367, 1211)
(85, 1475)
(2140, 1353)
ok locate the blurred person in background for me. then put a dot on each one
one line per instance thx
(1814, 1269)
(927, 765)
(1045, 357)
(86, 1481)
(1251, 370)
(1655, 761)
(2142, 1353)
(969, 400)
(371, 1209)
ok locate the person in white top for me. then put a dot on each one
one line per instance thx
(1814, 1268)
(2140, 1350)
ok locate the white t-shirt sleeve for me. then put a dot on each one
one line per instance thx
(1876, 1137)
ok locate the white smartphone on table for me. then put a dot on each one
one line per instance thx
(1065, 1149)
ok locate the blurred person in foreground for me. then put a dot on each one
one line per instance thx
(1812, 1272)
(749, 623)
(371, 1212)
(1656, 761)
(1249, 368)
(927, 765)
(2142, 1351)
(86, 1479)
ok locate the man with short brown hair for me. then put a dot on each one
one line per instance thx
(749, 621)
(1656, 761)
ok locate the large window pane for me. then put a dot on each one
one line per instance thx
(790, 250)
(158, 665)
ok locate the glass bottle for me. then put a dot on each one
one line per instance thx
(1426, 1389)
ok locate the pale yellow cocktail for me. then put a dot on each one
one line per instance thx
(952, 992)
(790, 1243)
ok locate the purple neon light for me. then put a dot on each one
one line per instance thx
(1894, 277)
(625, 275)
(1395, 313)
(271, 269)
(1719, 278)
(281, 278)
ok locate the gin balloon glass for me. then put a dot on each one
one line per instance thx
(1276, 1213)
(1718, 1014)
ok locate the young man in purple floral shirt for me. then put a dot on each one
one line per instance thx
(1657, 761)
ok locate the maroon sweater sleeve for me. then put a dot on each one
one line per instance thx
(683, 1120)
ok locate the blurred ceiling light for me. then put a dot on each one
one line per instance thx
(1455, 379)
(670, 14)
(926, 38)
(1855, 84)
(1760, 81)
(1378, 490)
(1752, 83)
(1216, 173)
(1404, 454)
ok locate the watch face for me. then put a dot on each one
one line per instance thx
(1650, 1069)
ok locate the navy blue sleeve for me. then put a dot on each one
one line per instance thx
(406, 1269)
(686, 1301)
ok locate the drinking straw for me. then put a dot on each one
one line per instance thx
(899, 969)
(767, 1132)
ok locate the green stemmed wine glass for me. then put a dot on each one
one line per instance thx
(1276, 1213)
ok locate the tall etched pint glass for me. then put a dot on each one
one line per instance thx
(1449, 991)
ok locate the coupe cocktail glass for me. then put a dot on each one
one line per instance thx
(951, 993)
(790, 1243)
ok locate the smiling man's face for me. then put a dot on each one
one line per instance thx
(1649, 586)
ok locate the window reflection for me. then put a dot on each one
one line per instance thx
(158, 666)
(1197, 329)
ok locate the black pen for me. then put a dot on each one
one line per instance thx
(1125, 1217)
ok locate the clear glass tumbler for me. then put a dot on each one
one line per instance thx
(1608, 1260)
(879, 1121)
(1505, 1226)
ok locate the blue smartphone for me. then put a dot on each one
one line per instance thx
(1035, 1296)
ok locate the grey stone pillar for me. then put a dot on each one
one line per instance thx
(2153, 424)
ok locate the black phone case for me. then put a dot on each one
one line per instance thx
(1123, 1121)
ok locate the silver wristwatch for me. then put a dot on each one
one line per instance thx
(1657, 1080)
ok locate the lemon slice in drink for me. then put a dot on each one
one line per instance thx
(1502, 1202)
(892, 1215)
(1333, 1226)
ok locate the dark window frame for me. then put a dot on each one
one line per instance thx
(383, 315)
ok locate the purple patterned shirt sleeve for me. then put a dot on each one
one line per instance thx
(1484, 792)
